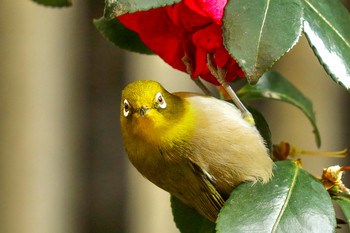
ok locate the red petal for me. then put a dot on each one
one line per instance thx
(201, 62)
(159, 34)
(183, 17)
(222, 57)
(234, 71)
(208, 38)
(210, 8)
(240, 73)
(176, 31)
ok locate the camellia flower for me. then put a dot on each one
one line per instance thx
(183, 34)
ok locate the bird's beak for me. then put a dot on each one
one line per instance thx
(144, 110)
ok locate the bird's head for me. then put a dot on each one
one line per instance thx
(149, 111)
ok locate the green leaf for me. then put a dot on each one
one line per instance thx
(114, 31)
(54, 3)
(188, 220)
(293, 201)
(258, 32)
(327, 28)
(115, 8)
(273, 85)
(344, 204)
(262, 127)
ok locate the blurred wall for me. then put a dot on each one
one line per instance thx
(40, 122)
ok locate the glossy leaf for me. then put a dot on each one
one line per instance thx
(258, 32)
(293, 201)
(262, 127)
(327, 27)
(344, 204)
(115, 8)
(188, 220)
(274, 86)
(114, 31)
(54, 3)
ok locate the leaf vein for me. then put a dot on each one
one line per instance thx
(328, 23)
(287, 199)
(260, 33)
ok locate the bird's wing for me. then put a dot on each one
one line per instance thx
(208, 198)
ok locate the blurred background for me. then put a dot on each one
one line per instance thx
(63, 168)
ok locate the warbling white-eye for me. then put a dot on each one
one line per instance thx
(197, 148)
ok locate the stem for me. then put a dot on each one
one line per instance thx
(344, 168)
(196, 80)
(339, 154)
(200, 84)
(220, 75)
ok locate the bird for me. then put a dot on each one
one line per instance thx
(197, 148)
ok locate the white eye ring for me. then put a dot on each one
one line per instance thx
(160, 100)
(126, 108)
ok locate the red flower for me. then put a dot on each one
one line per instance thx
(191, 29)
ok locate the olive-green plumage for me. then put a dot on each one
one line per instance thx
(197, 148)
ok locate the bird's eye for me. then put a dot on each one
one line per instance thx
(126, 109)
(160, 100)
